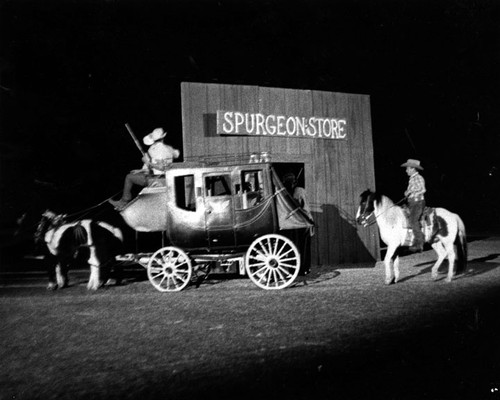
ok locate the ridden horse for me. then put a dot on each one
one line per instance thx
(94, 242)
(444, 230)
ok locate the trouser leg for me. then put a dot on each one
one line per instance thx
(130, 181)
(416, 210)
(306, 251)
(302, 240)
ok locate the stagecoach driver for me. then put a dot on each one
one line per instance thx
(157, 160)
(416, 201)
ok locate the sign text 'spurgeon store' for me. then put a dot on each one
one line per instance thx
(239, 123)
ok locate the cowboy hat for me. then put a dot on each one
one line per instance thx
(154, 136)
(412, 163)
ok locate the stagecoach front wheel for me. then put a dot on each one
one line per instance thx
(272, 262)
(170, 269)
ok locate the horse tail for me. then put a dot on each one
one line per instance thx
(117, 232)
(461, 243)
(80, 237)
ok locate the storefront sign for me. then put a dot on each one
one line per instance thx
(257, 124)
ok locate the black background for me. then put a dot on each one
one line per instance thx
(74, 72)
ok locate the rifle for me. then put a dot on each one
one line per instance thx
(138, 144)
(135, 139)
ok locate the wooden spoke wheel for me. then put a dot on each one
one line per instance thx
(170, 269)
(272, 262)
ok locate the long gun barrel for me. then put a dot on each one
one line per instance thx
(137, 143)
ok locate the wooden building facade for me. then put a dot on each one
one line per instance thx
(325, 137)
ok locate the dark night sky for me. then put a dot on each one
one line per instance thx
(73, 72)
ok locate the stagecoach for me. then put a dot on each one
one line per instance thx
(229, 212)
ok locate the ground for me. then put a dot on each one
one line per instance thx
(339, 333)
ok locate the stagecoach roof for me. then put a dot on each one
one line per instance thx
(221, 160)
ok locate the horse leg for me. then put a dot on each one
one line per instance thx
(95, 268)
(62, 274)
(94, 278)
(387, 262)
(118, 272)
(106, 275)
(114, 273)
(451, 261)
(441, 252)
(396, 267)
(50, 265)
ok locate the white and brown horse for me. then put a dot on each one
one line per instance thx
(96, 243)
(444, 230)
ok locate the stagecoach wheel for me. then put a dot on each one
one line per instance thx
(170, 269)
(272, 262)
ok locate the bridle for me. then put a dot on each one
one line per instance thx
(49, 220)
(364, 218)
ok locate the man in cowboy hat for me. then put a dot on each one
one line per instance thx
(156, 162)
(416, 201)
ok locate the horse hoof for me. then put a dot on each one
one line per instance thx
(390, 281)
(52, 286)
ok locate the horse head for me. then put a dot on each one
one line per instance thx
(366, 207)
(48, 221)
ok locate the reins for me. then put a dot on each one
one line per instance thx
(69, 217)
(378, 215)
(86, 211)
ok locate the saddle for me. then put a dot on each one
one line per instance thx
(428, 223)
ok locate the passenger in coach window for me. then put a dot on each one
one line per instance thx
(297, 192)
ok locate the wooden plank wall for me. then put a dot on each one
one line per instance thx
(336, 171)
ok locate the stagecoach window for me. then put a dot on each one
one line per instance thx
(218, 185)
(251, 180)
(250, 189)
(184, 192)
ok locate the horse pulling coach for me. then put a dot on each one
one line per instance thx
(95, 242)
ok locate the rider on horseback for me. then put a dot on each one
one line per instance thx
(416, 201)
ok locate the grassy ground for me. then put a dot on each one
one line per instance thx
(339, 334)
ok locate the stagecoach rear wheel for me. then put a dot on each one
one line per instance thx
(272, 262)
(170, 269)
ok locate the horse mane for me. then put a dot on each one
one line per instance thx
(378, 198)
(384, 201)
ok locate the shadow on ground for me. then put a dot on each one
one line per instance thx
(476, 266)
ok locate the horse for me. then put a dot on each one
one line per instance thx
(443, 230)
(95, 243)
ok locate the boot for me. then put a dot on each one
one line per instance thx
(118, 204)
(418, 244)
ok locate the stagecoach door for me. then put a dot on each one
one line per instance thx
(219, 210)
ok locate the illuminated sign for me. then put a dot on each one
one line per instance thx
(257, 124)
